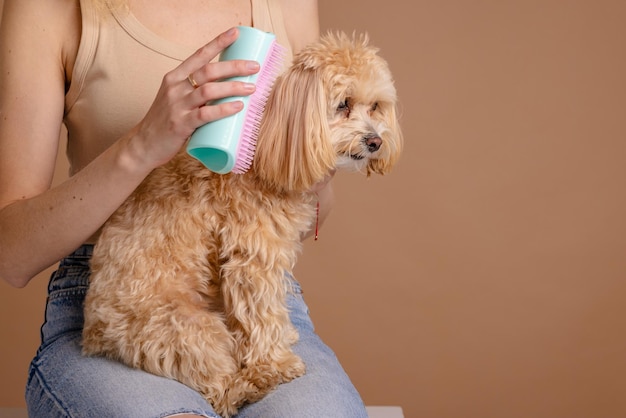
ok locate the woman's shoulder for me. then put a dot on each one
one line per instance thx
(301, 21)
(43, 27)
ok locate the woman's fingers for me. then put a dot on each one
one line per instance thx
(187, 97)
(216, 71)
(207, 93)
(204, 114)
(200, 67)
(205, 83)
(207, 53)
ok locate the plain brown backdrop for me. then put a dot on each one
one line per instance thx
(485, 277)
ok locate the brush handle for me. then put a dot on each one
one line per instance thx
(217, 143)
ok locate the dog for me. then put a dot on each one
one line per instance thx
(189, 274)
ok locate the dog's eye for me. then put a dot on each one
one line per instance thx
(344, 107)
(374, 107)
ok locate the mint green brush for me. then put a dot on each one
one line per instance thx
(229, 144)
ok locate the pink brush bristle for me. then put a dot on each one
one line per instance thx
(266, 77)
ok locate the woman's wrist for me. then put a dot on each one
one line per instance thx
(132, 157)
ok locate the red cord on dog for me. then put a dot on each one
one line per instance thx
(317, 219)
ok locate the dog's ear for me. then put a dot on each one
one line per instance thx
(394, 142)
(294, 150)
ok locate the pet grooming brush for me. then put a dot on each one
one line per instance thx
(229, 144)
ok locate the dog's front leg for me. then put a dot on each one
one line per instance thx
(255, 306)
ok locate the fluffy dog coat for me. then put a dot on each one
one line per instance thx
(188, 276)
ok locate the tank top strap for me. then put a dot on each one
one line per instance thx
(86, 51)
(267, 15)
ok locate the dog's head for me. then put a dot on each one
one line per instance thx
(335, 107)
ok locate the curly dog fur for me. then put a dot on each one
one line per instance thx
(188, 276)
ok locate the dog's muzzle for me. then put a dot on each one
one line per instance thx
(372, 142)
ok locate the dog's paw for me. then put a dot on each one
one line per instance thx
(231, 395)
(267, 376)
(240, 391)
(254, 382)
(225, 409)
(291, 368)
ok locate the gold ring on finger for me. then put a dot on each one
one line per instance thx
(192, 81)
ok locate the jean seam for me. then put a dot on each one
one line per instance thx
(46, 389)
(187, 411)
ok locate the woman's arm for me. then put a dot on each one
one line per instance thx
(301, 22)
(39, 225)
(32, 83)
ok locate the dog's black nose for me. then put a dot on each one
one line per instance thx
(373, 143)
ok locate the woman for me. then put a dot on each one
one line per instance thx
(119, 76)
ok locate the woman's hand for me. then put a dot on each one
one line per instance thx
(322, 185)
(181, 106)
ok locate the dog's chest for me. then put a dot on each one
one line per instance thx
(233, 202)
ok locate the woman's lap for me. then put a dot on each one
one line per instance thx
(325, 391)
(63, 383)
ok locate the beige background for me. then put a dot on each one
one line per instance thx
(485, 276)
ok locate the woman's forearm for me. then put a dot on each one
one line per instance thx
(39, 231)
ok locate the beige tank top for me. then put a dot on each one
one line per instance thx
(118, 70)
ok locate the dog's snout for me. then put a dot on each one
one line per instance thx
(373, 143)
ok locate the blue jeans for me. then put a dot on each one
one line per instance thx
(63, 383)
